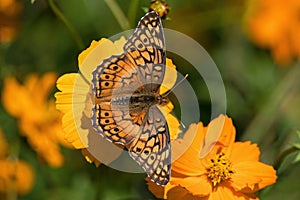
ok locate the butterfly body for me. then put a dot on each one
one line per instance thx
(127, 99)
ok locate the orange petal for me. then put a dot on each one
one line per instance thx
(158, 191)
(181, 193)
(252, 175)
(219, 131)
(186, 151)
(198, 186)
(244, 151)
(224, 193)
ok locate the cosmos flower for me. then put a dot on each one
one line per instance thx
(38, 119)
(228, 170)
(275, 25)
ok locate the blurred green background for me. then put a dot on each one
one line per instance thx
(262, 97)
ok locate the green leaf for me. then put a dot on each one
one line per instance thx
(297, 158)
(297, 144)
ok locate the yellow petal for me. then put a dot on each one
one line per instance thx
(169, 78)
(90, 158)
(96, 53)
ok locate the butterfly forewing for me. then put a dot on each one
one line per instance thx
(125, 110)
(146, 49)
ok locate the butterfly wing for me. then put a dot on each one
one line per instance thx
(152, 149)
(119, 76)
(113, 79)
(146, 49)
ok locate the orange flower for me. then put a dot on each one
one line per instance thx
(39, 120)
(275, 25)
(15, 175)
(75, 101)
(228, 170)
(9, 21)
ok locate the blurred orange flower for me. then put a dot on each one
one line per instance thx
(230, 170)
(9, 21)
(275, 24)
(15, 175)
(76, 100)
(39, 120)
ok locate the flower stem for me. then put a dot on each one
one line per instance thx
(118, 13)
(132, 11)
(68, 25)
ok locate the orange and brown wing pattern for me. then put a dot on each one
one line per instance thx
(114, 80)
(146, 49)
(152, 149)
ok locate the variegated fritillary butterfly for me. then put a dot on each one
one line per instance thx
(126, 89)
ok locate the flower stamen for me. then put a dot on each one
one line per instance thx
(220, 169)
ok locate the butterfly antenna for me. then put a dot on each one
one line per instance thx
(84, 78)
(182, 124)
(185, 77)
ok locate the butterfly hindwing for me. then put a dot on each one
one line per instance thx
(152, 149)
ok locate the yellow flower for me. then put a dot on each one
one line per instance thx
(230, 170)
(15, 175)
(38, 118)
(274, 24)
(75, 101)
(9, 21)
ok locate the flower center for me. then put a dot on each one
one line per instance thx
(220, 169)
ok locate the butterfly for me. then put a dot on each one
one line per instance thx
(126, 109)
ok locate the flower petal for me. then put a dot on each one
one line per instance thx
(96, 53)
(169, 78)
(219, 131)
(244, 151)
(186, 151)
(198, 186)
(158, 191)
(251, 175)
(224, 193)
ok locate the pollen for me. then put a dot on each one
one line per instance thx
(220, 169)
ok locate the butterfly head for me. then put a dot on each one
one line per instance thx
(161, 100)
